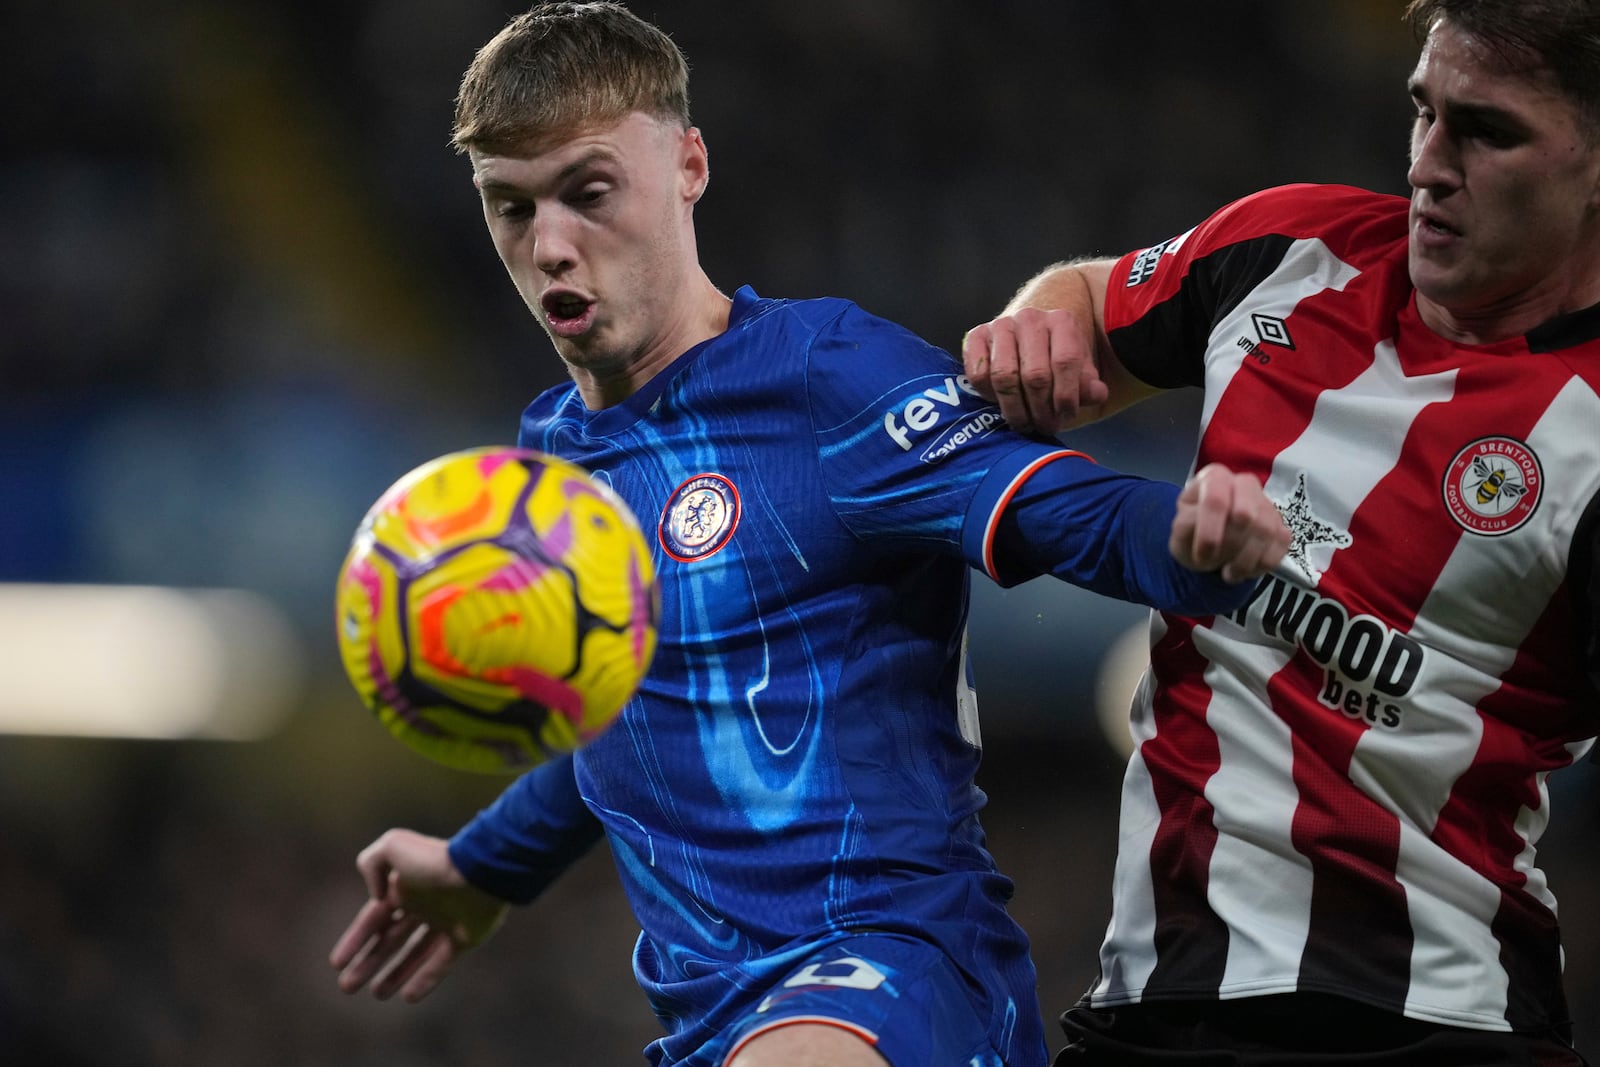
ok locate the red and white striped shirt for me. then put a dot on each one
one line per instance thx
(1339, 788)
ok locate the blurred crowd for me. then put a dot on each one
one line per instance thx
(244, 285)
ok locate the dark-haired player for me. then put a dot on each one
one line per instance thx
(1329, 823)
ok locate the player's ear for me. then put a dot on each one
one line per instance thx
(694, 165)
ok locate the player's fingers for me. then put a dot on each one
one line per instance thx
(1212, 498)
(404, 962)
(1263, 538)
(1245, 563)
(1076, 377)
(373, 863)
(431, 967)
(1036, 369)
(367, 924)
(1005, 375)
(975, 358)
(385, 951)
(1280, 541)
(1255, 538)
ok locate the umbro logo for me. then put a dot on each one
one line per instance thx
(1270, 330)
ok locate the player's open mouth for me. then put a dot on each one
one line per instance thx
(1432, 223)
(1432, 233)
(567, 314)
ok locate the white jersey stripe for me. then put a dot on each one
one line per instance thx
(1133, 923)
(1456, 976)
(1263, 896)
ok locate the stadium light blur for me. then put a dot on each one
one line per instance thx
(145, 662)
(1121, 670)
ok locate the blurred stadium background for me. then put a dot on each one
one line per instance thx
(244, 285)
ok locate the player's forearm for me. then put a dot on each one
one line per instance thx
(1107, 532)
(1065, 286)
(533, 831)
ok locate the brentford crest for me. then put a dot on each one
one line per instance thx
(699, 517)
(1493, 485)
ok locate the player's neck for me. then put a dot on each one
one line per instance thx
(1509, 318)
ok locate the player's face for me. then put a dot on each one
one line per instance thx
(1505, 204)
(596, 232)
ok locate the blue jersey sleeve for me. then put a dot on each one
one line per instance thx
(533, 831)
(911, 451)
(904, 439)
(1099, 529)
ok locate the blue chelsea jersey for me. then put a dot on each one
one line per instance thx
(800, 761)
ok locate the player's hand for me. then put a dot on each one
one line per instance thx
(1037, 365)
(1226, 522)
(421, 915)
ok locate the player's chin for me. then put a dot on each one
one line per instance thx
(1447, 281)
(592, 350)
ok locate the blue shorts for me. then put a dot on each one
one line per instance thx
(901, 996)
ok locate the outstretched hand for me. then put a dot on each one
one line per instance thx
(421, 915)
(1226, 522)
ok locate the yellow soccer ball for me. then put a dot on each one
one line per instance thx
(497, 606)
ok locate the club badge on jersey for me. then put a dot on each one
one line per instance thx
(1493, 485)
(700, 517)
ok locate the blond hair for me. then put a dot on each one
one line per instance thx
(565, 67)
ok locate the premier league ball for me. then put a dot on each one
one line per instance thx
(497, 606)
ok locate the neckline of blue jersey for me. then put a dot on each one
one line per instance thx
(620, 416)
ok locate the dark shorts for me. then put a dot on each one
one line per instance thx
(903, 997)
(1295, 1030)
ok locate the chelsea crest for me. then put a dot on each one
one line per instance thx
(699, 518)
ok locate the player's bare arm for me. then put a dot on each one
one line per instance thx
(1046, 359)
(421, 915)
(1226, 522)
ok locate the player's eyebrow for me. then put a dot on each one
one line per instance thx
(577, 166)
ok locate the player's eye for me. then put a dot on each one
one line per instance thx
(1494, 136)
(592, 193)
(512, 209)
